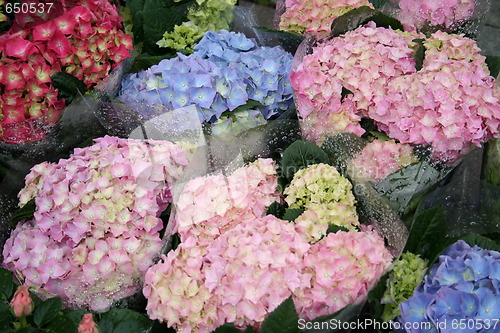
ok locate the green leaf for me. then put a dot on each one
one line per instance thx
(124, 321)
(334, 228)
(64, 323)
(384, 21)
(249, 330)
(345, 92)
(341, 148)
(226, 328)
(68, 86)
(136, 10)
(27, 330)
(6, 283)
(5, 313)
(250, 105)
(409, 182)
(299, 155)
(161, 16)
(481, 241)
(350, 20)
(276, 209)
(292, 213)
(46, 311)
(360, 16)
(145, 61)
(419, 55)
(25, 212)
(288, 40)
(427, 233)
(346, 314)
(378, 3)
(283, 319)
(375, 296)
(493, 63)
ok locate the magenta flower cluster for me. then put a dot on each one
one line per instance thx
(96, 224)
(451, 104)
(378, 159)
(450, 14)
(235, 265)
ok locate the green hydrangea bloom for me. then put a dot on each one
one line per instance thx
(2, 16)
(406, 275)
(319, 184)
(204, 16)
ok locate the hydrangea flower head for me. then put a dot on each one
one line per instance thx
(225, 71)
(463, 284)
(378, 159)
(209, 206)
(462, 109)
(253, 268)
(315, 17)
(96, 224)
(341, 268)
(319, 184)
(405, 276)
(82, 38)
(361, 61)
(209, 15)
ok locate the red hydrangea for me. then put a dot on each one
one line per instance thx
(82, 38)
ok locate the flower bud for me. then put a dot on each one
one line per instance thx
(87, 325)
(21, 302)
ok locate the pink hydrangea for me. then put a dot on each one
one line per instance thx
(96, 224)
(210, 205)
(361, 61)
(239, 278)
(315, 17)
(450, 14)
(378, 159)
(451, 104)
(176, 292)
(341, 269)
(253, 268)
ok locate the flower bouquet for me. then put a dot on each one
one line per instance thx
(385, 84)
(459, 292)
(83, 39)
(95, 220)
(247, 249)
(236, 86)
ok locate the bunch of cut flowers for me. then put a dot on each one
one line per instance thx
(96, 224)
(447, 103)
(81, 38)
(245, 248)
(226, 71)
(459, 291)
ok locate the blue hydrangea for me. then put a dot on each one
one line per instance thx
(459, 294)
(225, 71)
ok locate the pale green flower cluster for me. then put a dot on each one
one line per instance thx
(2, 16)
(206, 15)
(327, 198)
(319, 184)
(406, 275)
